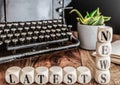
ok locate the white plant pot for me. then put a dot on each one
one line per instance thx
(88, 36)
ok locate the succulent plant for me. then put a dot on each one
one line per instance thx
(93, 18)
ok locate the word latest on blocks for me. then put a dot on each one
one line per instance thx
(43, 75)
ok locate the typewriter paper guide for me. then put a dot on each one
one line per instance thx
(31, 10)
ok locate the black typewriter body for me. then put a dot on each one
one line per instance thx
(27, 36)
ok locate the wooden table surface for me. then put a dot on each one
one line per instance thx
(75, 57)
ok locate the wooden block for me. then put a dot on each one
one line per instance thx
(70, 75)
(41, 75)
(56, 75)
(27, 75)
(105, 34)
(12, 75)
(84, 75)
(103, 49)
(103, 63)
(102, 77)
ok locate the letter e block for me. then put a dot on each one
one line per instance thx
(56, 75)
(103, 63)
(70, 75)
(84, 75)
(103, 49)
(41, 75)
(102, 77)
(105, 34)
(12, 75)
(27, 75)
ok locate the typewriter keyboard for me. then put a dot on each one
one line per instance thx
(25, 35)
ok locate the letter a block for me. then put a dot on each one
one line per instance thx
(27, 75)
(70, 75)
(102, 77)
(12, 75)
(56, 75)
(103, 49)
(84, 75)
(41, 75)
(105, 34)
(103, 63)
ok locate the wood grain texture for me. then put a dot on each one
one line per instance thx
(76, 57)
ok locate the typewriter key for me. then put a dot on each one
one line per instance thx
(22, 23)
(41, 37)
(9, 25)
(20, 29)
(13, 30)
(53, 36)
(47, 37)
(28, 39)
(60, 25)
(63, 34)
(7, 42)
(28, 23)
(22, 40)
(48, 31)
(26, 28)
(35, 38)
(60, 20)
(17, 35)
(49, 26)
(54, 25)
(50, 22)
(15, 40)
(32, 27)
(64, 25)
(42, 31)
(34, 23)
(15, 24)
(69, 27)
(53, 30)
(36, 32)
(44, 28)
(39, 22)
(38, 27)
(54, 21)
(2, 25)
(23, 34)
(10, 36)
(44, 22)
(6, 30)
(30, 33)
(3, 36)
(69, 33)
(63, 29)
(58, 30)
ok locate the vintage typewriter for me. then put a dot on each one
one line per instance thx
(24, 38)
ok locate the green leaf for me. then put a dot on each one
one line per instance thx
(78, 13)
(99, 21)
(106, 18)
(87, 15)
(93, 13)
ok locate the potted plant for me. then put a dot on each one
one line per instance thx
(88, 26)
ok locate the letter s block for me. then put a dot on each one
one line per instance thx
(103, 63)
(70, 75)
(56, 75)
(27, 75)
(105, 34)
(103, 49)
(84, 75)
(12, 75)
(102, 77)
(41, 75)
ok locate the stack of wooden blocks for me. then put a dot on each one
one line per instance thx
(103, 50)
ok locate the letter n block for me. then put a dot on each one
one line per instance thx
(41, 75)
(12, 75)
(105, 34)
(27, 75)
(84, 75)
(70, 75)
(56, 75)
(102, 77)
(103, 49)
